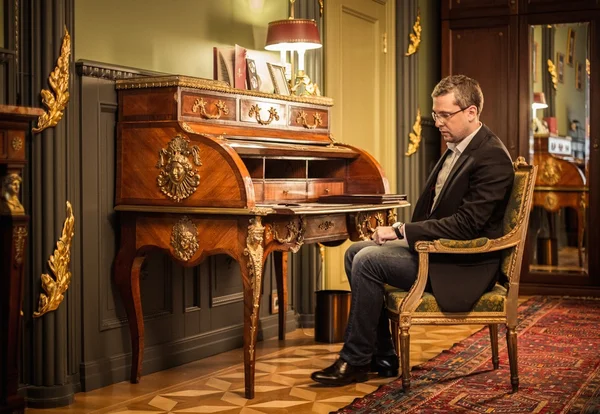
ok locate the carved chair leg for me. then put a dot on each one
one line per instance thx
(127, 279)
(511, 342)
(395, 335)
(494, 342)
(405, 357)
(281, 262)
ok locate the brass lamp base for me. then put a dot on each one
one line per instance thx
(304, 86)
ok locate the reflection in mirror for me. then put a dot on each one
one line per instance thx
(559, 145)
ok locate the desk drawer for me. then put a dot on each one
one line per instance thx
(285, 190)
(317, 189)
(261, 113)
(208, 107)
(308, 118)
(326, 227)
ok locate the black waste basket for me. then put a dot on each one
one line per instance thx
(331, 315)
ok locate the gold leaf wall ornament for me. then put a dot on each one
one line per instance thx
(321, 5)
(588, 68)
(415, 37)
(552, 72)
(415, 136)
(59, 265)
(178, 179)
(59, 81)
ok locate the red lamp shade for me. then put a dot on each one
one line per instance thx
(293, 34)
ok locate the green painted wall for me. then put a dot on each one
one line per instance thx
(174, 36)
(2, 24)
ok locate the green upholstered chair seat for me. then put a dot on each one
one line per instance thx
(492, 301)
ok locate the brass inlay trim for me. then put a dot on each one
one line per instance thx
(255, 112)
(17, 143)
(559, 189)
(415, 36)
(186, 127)
(551, 171)
(59, 265)
(59, 81)
(178, 179)
(212, 85)
(19, 236)
(301, 119)
(552, 72)
(415, 136)
(184, 239)
(254, 252)
(201, 103)
(10, 203)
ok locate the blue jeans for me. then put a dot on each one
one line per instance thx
(369, 267)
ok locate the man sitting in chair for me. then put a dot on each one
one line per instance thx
(465, 198)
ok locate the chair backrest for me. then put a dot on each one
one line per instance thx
(516, 218)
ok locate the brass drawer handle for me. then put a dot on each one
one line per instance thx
(201, 103)
(326, 225)
(286, 192)
(255, 112)
(301, 119)
(326, 191)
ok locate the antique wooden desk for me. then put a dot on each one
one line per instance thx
(204, 169)
(14, 123)
(560, 183)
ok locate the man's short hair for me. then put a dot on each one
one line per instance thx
(466, 90)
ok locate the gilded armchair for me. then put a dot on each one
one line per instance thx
(417, 307)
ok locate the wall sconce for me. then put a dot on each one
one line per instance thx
(297, 35)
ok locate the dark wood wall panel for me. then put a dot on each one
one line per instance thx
(189, 313)
(460, 9)
(547, 6)
(488, 54)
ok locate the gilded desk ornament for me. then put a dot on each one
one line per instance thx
(19, 236)
(17, 143)
(178, 179)
(392, 217)
(255, 112)
(59, 81)
(55, 288)
(186, 127)
(293, 233)
(415, 36)
(552, 72)
(10, 203)
(363, 220)
(551, 201)
(254, 252)
(326, 225)
(200, 104)
(551, 171)
(184, 239)
(415, 136)
(301, 119)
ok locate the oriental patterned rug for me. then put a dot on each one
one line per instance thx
(559, 368)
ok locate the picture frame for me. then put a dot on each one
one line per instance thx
(280, 83)
(252, 75)
(560, 67)
(579, 76)
(570, 46)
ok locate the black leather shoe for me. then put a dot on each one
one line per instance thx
(385, 366)
(341, 373)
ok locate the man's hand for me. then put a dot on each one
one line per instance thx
(383, 234)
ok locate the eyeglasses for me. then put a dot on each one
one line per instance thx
(445, 116)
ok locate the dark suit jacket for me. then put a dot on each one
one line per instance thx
(471, 205)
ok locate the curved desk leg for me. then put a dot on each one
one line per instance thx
(251, 267)
(281, 261)
(127, 278)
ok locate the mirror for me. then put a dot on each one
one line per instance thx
(559, 146)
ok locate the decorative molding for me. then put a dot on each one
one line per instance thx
(59, 264)
(415, 136)
(254, 252)
(227, 299)
(415, 36)
(59, 81)
(19, 236)
(212, 85)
